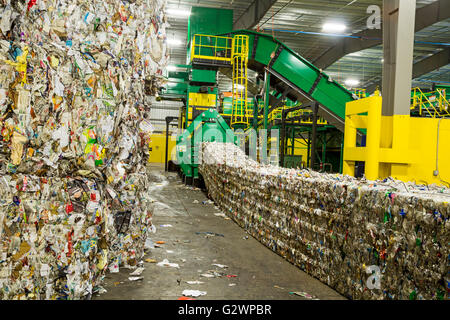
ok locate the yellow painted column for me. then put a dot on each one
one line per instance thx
(373, 138)
(402, 150)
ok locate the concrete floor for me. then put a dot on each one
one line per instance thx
(260, 273)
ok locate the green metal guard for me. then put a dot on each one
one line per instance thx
(208, 126)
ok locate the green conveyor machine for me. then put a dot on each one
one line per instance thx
(207, 126)
(289, 77)
(296, 77)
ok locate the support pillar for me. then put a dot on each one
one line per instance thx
(324, 146)
(314, 136)
(398, 44)
(308, 152)
(293, 131)
(168, 121)
(255, 113)
(283, 138)
(266, 98)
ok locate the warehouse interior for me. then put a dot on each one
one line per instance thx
(225, 150)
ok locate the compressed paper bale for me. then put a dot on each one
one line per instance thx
(74, 141)
(75, 248)
(335, 227)
(73, 108)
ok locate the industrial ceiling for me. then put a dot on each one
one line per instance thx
(298, 24)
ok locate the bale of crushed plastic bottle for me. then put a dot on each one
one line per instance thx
(366, 239)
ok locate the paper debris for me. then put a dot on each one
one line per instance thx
(195, 282)
(304, 294)
(135, 278)
(166, 263)
(193, 293)
(220, 214)
(137, 272)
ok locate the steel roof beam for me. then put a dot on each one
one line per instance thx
(253, 15)
(436, 61)
(425, 17)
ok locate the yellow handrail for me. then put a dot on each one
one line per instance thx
(211, 47)
(443, 102)
(423, 102)
(276, 114)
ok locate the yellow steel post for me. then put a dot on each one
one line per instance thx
(354, 121)
(193, 48)
(420, 105)
(373, 139)
(443, 102)
(439, 100)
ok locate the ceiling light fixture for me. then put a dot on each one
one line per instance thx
(333, 27)
(351, 82)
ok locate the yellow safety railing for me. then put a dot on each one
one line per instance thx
(354, 120)
(442, 100)
(320, 120)
(360, 93)
(211, 48)
(277, 113)
(240, 112)
(435, 105)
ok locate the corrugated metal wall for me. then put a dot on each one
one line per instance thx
(162, 109)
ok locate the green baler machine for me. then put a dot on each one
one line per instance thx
(209, 126)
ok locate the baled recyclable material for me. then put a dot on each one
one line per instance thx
(59, 235)
(74, 135)
(366, 239)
